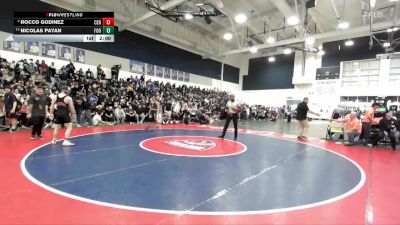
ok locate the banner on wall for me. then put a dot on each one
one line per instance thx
(150, 70)
(187, 77)
(180, 75)
(31, 48)
(64, 52)
(167, 73)
(48, 50)
(328, 73)
(159, 71)
(136, 67)
(12, 46)
(174, 74)
(79, 55)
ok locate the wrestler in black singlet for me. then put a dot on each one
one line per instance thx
(61, 114)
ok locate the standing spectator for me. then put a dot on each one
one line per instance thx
(301, 117)
(10, 105)
(100, 73)
(366, 124)
(115, 72)
(38, 110)
(78, 102)
(86, 112)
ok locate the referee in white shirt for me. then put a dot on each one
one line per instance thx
(232, 110)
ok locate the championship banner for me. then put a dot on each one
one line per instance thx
(49, 50)
(174, 74)
(159, 71)
(79, 55)
(64, 52)
(136, 67)
(187, 77)
(32, 48)
(180, 75)
(12, 46)
(150, 70)
(167, 73)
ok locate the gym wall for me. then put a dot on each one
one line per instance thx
(133, 46)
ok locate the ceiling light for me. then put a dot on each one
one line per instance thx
(293, 20)
(372, 3)
(386, 44)
(271, 59)
(188, 16)
(240, 18)
(270, 40)
(349, 43)
(321, 53)
(253, 50)
(228, 36)
(287, 51)
(343, 25)
(200, 4)
(310, 41)
(395, 28)
(389, 30)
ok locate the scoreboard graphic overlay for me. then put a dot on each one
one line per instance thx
(64, 26)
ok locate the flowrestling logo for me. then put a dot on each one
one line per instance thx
(195, 145)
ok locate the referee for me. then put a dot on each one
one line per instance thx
(232, 110)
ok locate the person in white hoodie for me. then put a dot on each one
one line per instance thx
(120, 114)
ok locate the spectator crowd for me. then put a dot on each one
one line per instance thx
(101, 101)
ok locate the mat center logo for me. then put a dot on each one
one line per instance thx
(195, 145)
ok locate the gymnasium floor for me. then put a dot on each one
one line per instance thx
(184, 175)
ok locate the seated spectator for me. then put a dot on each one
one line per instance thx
(388, 127)
(108, 115)
(23, 121)
(352, 128)
(120, 114)
(89, 74)
(142, 111)
(97, 121)
(131, 115)
(274, 115)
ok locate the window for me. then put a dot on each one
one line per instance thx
(352, 98)
(344, 98)
(362, 98)
(363, 73)
(393, 98)
(394, 74)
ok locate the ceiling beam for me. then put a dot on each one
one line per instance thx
(362, 30)
(286, 10)
(147, 15)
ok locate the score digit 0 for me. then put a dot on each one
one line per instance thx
(108, 21)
